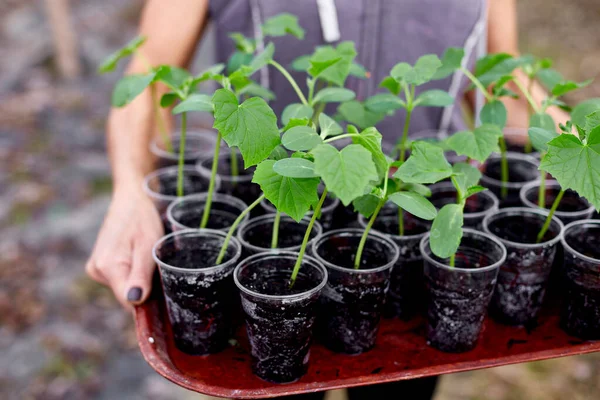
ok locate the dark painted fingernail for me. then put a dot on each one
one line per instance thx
(134, 294)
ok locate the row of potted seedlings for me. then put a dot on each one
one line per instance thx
(452, 246)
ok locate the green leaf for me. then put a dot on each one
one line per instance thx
(370, 139)
(262, 59)
(416, 188)
(195, 102)
(296, 122)
(366, 204)
(278, 153)
(477, 144)
(237, 59)
(296, 111)
(211, 73)
(173, 77)
(384, 103)
(283, 24)
(592, 121)
(583, 109)
(242, 43)
(451, 61)
(355, 112)
(292, 196)
(422, 72)
(168, 99)
(254, 89)
(494, 113)
(542, 120)
(295, 167)
(333, 95)
(415, 204)
(576, 165)
(550, 78)
(568, 86)
(301, 138)
(446, 231)
(494, 66)
(301, 63)
(465, 176)
(250, 126)
(346, 173)
(391, 84)
(332, 64)
(129, 87)
(110, 63)
(358, 70)
(426, 164)
(474, 190)
(434, 98)
(328, 126)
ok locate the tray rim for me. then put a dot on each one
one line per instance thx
(143, 320)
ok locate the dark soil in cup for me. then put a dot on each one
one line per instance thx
(519, 171)
(352, 303)
(280, 333)
(571, 202)
(344, 217)
(192, 183)
(290, 234)
(523, 279)
(218, 219)
(455, 315)
(201, 307)
(240, 187)
(406, 296)
(581, 307)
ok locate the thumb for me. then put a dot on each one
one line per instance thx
(139, 284)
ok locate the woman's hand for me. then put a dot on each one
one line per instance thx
(122, 256)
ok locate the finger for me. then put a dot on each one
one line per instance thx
(116, 271)
(139, 284)
(94, 273)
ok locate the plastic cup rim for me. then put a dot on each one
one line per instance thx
(568, 247)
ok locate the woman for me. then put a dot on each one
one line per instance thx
(385, 32)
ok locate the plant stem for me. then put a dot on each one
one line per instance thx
(504, 168)
(275, 236)
(405, 134)
(542, 190)
(235, 170)
(160, 122)
(316, 212)
(234, 226)
(477, 84)
(453, 260)
(181, 155)
(338, 137)
(211, 185)
(559, 197)
(291, 80)
(363, 239)
(401, 221)
(532, 103)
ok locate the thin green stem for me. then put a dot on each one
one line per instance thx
(181, 154)
(317, 112)
(459, 194)
(542, 233)
(298, 264)
(477, 84)
(138, 53)
(291, 80)
(338, 137)
(542, 190)
(211, 185)
(275, 236)
(527, 95)
(405, 134)
(504, 168)
(363, 239)
(234, 226)
(400, 221)
(160, 121)
(311, 89)
(453, 260)
(235, 169)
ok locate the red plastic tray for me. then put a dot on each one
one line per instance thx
(400, 353)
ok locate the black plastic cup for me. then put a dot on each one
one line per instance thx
(516, 141)
(200, 296)
(186, 212)
(239, 186)
(458, 297)
(199, 143)
(477, 207)
(571, 208)
(161, 187)
(353, 299)
(580, 314)
(256, 234)
(522, 169)
(279, 320)
(523, 278)
(406, 296)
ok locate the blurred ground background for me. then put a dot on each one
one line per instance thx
(61, 335)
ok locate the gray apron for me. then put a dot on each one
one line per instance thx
(385, 32)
